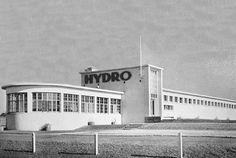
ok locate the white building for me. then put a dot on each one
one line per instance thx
(125, 95)
(31, 106)
(185, 105)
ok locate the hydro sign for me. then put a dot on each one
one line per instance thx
(106, 77)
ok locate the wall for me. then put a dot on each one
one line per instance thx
(155, 87)
(195, 111)
(135, 105)
(59, 120)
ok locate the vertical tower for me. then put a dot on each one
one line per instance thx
(155, 94)
(142, 100)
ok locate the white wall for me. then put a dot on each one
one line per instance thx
(135, 105)
(157, 89)
(195, 111)
(58, 120)
(136, 100)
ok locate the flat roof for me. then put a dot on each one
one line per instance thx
(115, 69)
(60, 85)
(197, 95)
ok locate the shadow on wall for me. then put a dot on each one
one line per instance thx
(46, 127)
(3, 121)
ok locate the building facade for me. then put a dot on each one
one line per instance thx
(124, 95)
(31, 106)
(142, 92)
(183, 105)
(147, 101)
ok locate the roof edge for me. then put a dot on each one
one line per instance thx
(60, 85)
(131, 67)
(198, 95)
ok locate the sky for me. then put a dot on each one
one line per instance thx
(51, 41)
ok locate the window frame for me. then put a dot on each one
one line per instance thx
(46, 102)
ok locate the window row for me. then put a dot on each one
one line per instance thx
(115, 106)
(198, 102)
(87, 104)
(51, 102)
(71, 103)
(46, 101)
(168, 107)
(17, 102)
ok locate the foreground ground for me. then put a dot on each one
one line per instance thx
(124, 141)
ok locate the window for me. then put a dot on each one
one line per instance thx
(185, 100)
(118, 106)
(194, 101)
(215, 103)
(168, 107)
(153, 95)
(190, 101)
(102, 105)
(17, 102)
(87, 104)
(71, 103)
(176, 99)
(180, 100)
(171, 98)
(209, 103)
(153, 83)
(198, 102)
(165, 98)
(201, 102)
(115, 106)
(46, 101)
(205, 102)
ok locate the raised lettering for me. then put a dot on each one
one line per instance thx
(106, 77)
(124, 77)
(115, 76)
(88, 79)
(97, 77)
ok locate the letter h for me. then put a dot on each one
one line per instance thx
(88, 79)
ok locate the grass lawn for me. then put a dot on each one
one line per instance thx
(166, 125)
(48, 144)
(115, 146)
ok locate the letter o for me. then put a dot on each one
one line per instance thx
(122, 75)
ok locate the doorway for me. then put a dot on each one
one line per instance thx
(152, 107)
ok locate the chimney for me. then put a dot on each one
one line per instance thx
(90, 69)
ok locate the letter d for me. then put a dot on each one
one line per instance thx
(106, 77)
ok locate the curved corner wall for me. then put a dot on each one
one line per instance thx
(101, 109)
(58, 121)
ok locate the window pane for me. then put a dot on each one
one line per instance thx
(72, 102)
(17, 102)
(45, 101)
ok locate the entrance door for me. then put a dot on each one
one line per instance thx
(152, 107)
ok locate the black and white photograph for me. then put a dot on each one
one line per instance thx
(118, 78)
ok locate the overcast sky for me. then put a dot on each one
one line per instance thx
(51, 41)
